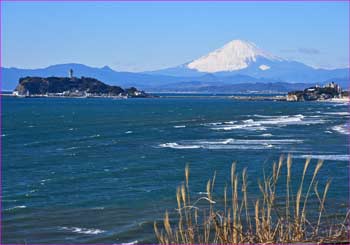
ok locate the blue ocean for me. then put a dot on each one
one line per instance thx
(103, 170)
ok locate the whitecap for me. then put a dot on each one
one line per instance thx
(266, 135)
(268, 145)
(239, 147)
(94, 136)
(231, 144)
(212, 124)
(16, 207)
(44, 180)
(262, 124)
(247, 141)
(339, 113)
(326, 157)
(215, 142)
(262, 116)
(128, 132)
(177, 146)
(281, 120)
(230, 122)
(130, 243)
(341, 104)
(88, 231)
(72, 148)
(180, 126)
(342, 128)
(251, 127)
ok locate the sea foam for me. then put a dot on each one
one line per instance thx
(267, 121)
(16, 207)
(180, 126)
(342, 128)
(87, 231)
(230, 143)
(326, 157)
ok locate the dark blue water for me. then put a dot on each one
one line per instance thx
(101, 171)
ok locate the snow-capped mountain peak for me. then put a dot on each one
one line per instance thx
(235, 55)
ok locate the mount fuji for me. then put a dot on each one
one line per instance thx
(235, 55)
(238, 66)
(245, 58)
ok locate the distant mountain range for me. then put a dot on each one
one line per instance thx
(239, 66)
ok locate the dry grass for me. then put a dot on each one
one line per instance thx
(264, 221)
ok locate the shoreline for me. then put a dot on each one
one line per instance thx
(247, 97)
(337, 100)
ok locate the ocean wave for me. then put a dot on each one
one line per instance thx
(263, 116)
(219, 123)
(202, 193)
(342, 128)
(247, 142)
(216, 147)
(44, 180)
(339, 113)
(231, 144)
(9, 200)
(130, 243)
(72, 148)
(214, 142)
(94, 136)
(326, 157)
(177, 146)
(88, 231)
(16, 207)
(33, 143)
(266, 135)
(180, 126)
(284, 120)
(268, 121)
(98, 208)
(250, 127)
(128, 132)
(340, 104)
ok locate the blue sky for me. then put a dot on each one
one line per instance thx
(139, 36)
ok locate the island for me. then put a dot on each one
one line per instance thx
(329, 92)
(84, 87)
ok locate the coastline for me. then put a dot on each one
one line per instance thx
(337, 100)
(247, 97)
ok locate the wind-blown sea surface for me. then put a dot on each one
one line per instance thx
(102, 170)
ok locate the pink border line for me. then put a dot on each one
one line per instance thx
(348, 143)
(256, 1)
(0, 122)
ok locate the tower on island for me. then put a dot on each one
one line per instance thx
(70, 73)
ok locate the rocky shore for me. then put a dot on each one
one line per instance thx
(331, 92)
